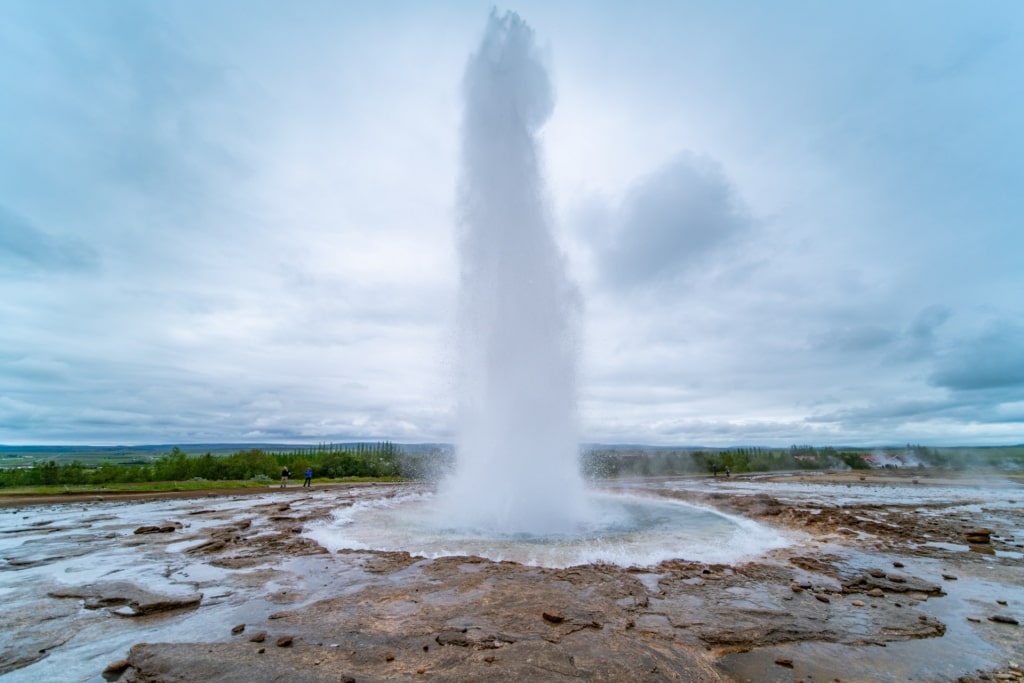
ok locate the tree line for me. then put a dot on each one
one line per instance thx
(380, 460)
(603, 463)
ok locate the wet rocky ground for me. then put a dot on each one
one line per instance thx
(888, 578)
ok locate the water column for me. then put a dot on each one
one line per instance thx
(517, 446)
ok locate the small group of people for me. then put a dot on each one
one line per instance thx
(714, 471)
(285, 473)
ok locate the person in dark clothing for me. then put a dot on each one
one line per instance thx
(284, 476)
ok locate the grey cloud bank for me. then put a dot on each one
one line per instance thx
(787, 224)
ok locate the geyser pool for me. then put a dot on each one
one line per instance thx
(623, 529)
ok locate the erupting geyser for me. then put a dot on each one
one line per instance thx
(517, 493)
(518, 312)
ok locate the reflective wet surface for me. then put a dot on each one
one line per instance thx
(702, 565)
(624, 529)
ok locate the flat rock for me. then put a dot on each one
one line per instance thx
(892, 583)
(164, 529)
(129, 599)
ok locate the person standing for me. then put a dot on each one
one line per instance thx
(309, 477)
(284, 476)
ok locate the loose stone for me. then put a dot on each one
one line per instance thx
(1003, 619)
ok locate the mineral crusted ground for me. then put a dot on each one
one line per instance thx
(228, 589)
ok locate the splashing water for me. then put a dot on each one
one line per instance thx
(517, 447)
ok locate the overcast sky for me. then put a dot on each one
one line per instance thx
(790, 222)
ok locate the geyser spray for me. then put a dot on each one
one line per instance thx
(517, 444)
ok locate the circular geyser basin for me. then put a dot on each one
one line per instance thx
(626, 530)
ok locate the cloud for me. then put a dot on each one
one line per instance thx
(855, 339)
(991, 360)
(24, 247)
(239, 222)
(670, 221)
(924, 326)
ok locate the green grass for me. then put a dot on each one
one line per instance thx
(159, 486)
(140, 487)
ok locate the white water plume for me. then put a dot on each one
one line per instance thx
(517, 447)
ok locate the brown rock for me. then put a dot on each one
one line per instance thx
(978, 536)
(553, 617)
(876, 593)
(1003, 619)
(238, 629)
(877, 573)
(821, 598)
(796, 589)
(784, 661)
(452, 638)
(949, 577)
(857, 603)
(116, 667)
(898, 565)
(134, 600)
(284, 641)
(258, 637)
(389, 657)
(896, 578)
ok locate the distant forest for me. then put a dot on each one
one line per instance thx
(376, 460)
(646, 461)
(75, 466)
